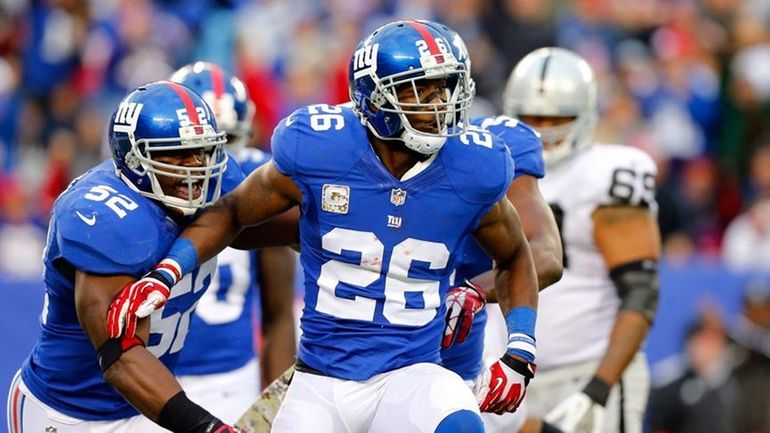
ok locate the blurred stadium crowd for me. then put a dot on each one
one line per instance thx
(686, 80)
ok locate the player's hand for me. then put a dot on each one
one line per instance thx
(136, 300)
(462, 303)
(504, 384)
(577, 414)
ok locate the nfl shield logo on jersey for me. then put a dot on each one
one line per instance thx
(336, 198)
(397, 196)
(50, 429)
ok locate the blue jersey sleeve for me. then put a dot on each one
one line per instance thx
(250, 159)
(318, 141)
(480, 166)
(95, 239)
(284, 143)
(523, 141)
(233, 176)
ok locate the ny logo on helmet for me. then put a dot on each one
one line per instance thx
(365, 60)
(127, 116)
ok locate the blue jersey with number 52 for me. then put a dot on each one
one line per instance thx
(527, 150)
(101, 226)
(378, 251)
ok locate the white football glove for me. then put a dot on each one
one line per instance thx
(577, 414)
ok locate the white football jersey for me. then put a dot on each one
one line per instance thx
(576, 315)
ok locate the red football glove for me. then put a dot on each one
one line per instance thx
(462, 303)
(139, 299)
(502, 388)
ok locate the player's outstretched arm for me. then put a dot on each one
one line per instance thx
(540, 228)
(265, 193)
(502, 387)
(130, 368)
(276, 283)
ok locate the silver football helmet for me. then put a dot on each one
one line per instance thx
(555, 82)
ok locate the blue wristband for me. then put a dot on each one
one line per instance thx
(183, 252)
(521, 320)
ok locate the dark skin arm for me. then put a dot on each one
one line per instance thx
(624, 234)
(539, 227)
(138, 375)
(541, 231)
(501, 236)
(264, 194)
(281, 230)
(276, 284)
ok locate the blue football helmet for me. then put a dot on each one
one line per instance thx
(168, 117)
(402, 53)
(225, 94)
(459, 49)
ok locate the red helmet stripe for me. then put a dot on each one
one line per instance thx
(217, 81)
(192, 113)
(426, 36)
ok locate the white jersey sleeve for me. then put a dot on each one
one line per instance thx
(619, 176)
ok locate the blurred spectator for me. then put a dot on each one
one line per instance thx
(515, 27)
(747, 238)
(693, 400)
(751, 406)
(21, 241)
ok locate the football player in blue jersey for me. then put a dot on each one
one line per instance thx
(388, 194)
(466, 336)
(218, 368)
(112, 225)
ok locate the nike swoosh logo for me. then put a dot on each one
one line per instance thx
(290, 120)
(498, 383)
(90, 221)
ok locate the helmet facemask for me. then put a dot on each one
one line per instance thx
(202, 183)
(561, 141)
(448, 112)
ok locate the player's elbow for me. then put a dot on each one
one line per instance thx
(549, 270)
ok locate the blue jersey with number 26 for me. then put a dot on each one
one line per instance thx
(527, 150)
(101, 226)
(378, 251)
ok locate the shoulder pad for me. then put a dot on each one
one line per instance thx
(233, 175)
(250, 159)
(523, 141)
(104, 228)
(479, 166)
(618, 175)
(318, 140)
